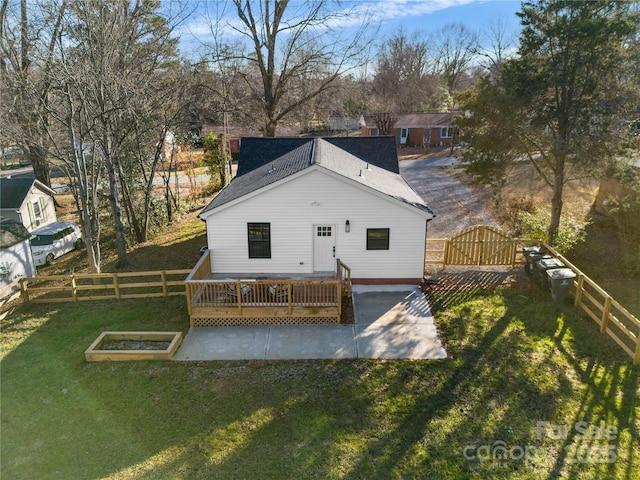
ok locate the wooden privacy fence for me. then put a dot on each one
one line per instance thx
(479, 245)
(103, 286)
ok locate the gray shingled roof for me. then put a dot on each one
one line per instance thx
(12, 233)
(256, 152)
(13, 191)
(323, 154)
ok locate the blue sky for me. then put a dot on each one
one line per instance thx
(430, 15)
(425, 16)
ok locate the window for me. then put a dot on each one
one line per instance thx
(323, 231)
(377, 239)
(37, 209)
(259, 235)
(447, 132)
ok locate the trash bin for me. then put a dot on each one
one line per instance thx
(560, 281)
(527, 252)
(541, 266)
(534, 258)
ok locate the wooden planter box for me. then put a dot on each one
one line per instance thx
(96, 353)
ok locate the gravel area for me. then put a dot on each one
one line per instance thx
(455, 205)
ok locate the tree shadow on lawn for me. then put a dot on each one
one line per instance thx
(515, 360)
(533, 362)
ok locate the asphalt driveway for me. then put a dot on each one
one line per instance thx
(455, 205)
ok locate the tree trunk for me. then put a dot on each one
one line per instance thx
(114, 200)
(141, 235)
(269, 129)
(38, 158)
(556, 201)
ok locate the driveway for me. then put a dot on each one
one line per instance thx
(455, 205)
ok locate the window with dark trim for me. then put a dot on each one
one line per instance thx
(259, 235)
(377, 239)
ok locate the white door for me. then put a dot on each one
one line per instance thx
(324, 248)
(403, 134)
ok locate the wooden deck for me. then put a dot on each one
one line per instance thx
(216, 299)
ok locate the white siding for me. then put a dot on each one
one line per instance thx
(293, 206)
(47, 208)
(16, 262)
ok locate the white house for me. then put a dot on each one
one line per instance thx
(297, 205)
(27, 201)
(15, 252)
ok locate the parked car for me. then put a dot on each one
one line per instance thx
(54, 240)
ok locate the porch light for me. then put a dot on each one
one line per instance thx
(347, 226)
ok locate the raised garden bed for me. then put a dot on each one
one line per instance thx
(133, 346)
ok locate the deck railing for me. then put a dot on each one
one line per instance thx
(252, 301)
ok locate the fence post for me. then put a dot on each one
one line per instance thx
(445, 253)
(163, 276)
(290, 297)
(636, 358)
(24, 290)
(579, 287)
(187, 288)
(74, 291)
(605, 314)
(116, 287)
(239, 294)
(339, 300)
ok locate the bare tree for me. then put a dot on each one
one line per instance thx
(499, 45)
(455, 46)
(297, 50)
(27, 46)
(403, 79)
(385, 122)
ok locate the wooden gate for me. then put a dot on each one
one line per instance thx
(480, 245)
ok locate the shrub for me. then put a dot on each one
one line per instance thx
(525, 220)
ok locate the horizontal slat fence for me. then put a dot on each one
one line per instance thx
(615, 320)
(103, 286)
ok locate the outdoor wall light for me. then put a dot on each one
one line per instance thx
(347, 227)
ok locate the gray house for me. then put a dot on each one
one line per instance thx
(27, 201)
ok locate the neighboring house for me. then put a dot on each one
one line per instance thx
(15, 252)
(343, 122)
(297, 205)
(415, 129)
(27, 201)
(235, 134)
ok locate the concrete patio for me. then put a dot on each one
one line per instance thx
(391, 322)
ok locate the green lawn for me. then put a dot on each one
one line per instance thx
(515, 360)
